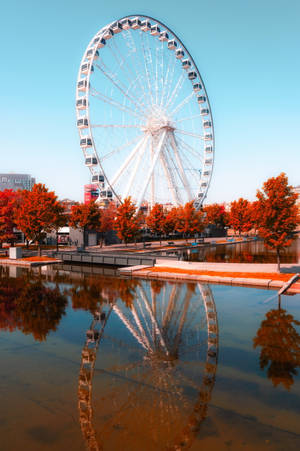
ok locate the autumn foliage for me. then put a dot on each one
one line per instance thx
(189, 221)
(277, 213)
(36, 213)
(127, 222)
(155, 219)
(215, 214)
(28, 305)
(108, 215)
(7, 222)
(280, 347)
(240, 215)
(86, 216)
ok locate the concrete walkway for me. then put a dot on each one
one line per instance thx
(269, 283)
(229, 267)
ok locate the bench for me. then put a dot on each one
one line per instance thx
(147, 244)
(171, 242)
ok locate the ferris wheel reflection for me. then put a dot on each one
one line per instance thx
(163, 373)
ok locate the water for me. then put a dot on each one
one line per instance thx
(249, 252)
(92, 361)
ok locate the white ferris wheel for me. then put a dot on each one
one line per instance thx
(143, 115)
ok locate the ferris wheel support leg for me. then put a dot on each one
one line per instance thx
(127, 161)
(180, 166)
(137, 164)
(153, 319)
(187, 300)
(139, 324)
(155, 158)
(129, 326)
(169, 178)
(152, 179)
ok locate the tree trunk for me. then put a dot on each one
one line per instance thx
(278, 259)
(56, 241)
(39, 249)
(83, 241)
(279, 302)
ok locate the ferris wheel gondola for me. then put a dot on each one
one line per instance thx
(143, 106)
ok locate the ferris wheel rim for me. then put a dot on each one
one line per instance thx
(198, 194)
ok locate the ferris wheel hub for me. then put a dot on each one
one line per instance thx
(158, 121)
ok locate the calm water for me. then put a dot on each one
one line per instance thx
(251, 252)
(92, 361)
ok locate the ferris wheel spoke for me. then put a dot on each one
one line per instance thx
(172, 165)
(143, 316)
(188, 118)
(130, 75)
(117, 84)
(170, 179)
(188, 147)
(175, 293)
(162, 72)
(152, 317)
(180, 166)
(129, 326)
(130, 43)
(140, 327)
(147, 63)
(155, 158)
(96, 94)
(128, 160)
(119, 148)
(168, 80)
(136, 167)
(114, 126)
(176, 90)
(184, 312)
(194, 135)
(183, 103)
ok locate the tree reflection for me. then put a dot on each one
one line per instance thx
(27, 304)
(91, 292)
(280, 347)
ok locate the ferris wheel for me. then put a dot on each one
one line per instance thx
(155, 377)
(143, 115)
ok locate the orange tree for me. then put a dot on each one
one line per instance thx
(30, 306)
(215, 214)
(86, 217)
(7, 222)
(280, 347)
(127, 221)
(108, 215)
(240, 215)
(155, 220)
(189, 221)
(170, 221)
(36, 213)
(277, 213)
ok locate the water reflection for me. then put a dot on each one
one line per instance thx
(28, 305)
(159, 380)
(249, 252)
(280, 346)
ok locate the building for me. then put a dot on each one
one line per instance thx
(91, 192)
(296, 190)
(16, 181)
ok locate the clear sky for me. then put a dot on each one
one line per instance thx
(246, 50)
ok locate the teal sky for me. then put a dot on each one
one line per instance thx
(248, 56)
